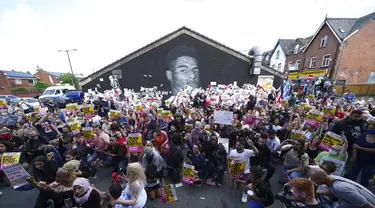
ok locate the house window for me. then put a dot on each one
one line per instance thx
(17, 81)
(296, 49)
(323, 42)
(277, 54)
(31, 81)
(298, 63)
(267, 57)
(291, 65)
(274, 66)
(279, 67)
(326, 60)
(312, 62)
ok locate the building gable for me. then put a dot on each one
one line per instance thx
(324, 24)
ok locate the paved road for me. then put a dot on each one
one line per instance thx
(188, 196)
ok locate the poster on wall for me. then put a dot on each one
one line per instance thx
(266, 82)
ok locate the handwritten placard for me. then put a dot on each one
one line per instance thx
(168, 193)
(236, 168)
(188, 173)
(330, 139)
(223, 117)
(135, 142)
(16, 174)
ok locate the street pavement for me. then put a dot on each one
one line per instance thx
(206, 196)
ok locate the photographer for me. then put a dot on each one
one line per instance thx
(303, 191)
(349, 193)
(101, 107)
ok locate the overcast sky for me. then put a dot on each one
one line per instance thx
(31, 31)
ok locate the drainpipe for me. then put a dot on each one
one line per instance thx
(339, 64)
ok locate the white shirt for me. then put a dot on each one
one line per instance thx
(272, 144)
(96, 119)
(243, 156)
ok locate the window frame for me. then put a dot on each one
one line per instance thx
(17, 81)
(323, 41)
(299, 64)
(324, 59)
(290, 63)
(311, 67)
(279, 65)
(296, 48)
(277, 55)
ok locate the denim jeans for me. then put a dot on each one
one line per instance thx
(109, 161)
(298, 174)
(94, 156)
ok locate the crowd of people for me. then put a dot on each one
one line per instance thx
(318, 171)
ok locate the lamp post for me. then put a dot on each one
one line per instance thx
(70, 64)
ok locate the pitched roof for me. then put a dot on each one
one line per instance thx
(286, 44)
(59, 74)
(17, 74)
(362, 21)
(162, 40)
(301, 42)
(341, 26)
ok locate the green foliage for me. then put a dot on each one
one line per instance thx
(68, 79)
(18, 89)
(28, 72)
(40, 86)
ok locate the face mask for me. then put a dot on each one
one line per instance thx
(333, 152)
(370, 131)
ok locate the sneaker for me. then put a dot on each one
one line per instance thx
(244, 198)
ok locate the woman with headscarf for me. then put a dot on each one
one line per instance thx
(84, 195)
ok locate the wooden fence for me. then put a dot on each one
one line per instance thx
(357, 89)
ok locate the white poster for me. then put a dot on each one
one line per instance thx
(223, 117)
(225, 143)
(266, 82)
(16, 174)
(340, 165)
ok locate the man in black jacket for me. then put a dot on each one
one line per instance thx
(263, 158)
(178, 122)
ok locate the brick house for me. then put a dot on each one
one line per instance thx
(350, 40)
(52, 77)
(15, 79)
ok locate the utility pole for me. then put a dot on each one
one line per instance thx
(70, 64)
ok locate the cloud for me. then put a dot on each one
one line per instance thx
(104, 31)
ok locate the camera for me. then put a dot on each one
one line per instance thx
(286, 197)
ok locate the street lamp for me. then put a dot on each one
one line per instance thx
(70, 64)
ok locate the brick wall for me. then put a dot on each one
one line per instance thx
(24, 83)
(314, 49)
(294, 57)
(359, 56)
(4, 86)
(44, 77)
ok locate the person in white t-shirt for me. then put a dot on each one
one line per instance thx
(244, 155)
(272, 141)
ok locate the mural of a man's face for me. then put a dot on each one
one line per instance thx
(183, 72)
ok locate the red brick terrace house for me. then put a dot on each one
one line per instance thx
(342, 48)
(16, 79)
(52, 78)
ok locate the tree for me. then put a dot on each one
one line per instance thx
(40, 86)
(68, 79)
(28, 72)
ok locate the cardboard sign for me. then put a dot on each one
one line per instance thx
(16, 174)
(236, 168)
(167, 114)
(30, 118)
(314, 117)
(329, 111)
(75, 127)
(135, 142)
(309, 108)
(9, 158)
(159, 110)
(223, 117)
(138, 107)
(285, 102)
(114, 113)
(72, 107)
(3, 103)
(297, 134)
(189, 127)
(224, 142)
(330, 139)
(311, 96)
(37, 109)
(340, 165)
(188, 173)
(88, 111)
(88, 134)
(168, 193)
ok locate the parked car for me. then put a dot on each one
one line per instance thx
(31, 101)
(11, 99)
(77, 96)
(60, 101)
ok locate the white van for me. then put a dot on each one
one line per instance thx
(57, 90)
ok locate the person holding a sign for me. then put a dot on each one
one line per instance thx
(45, 127)
(101, 143)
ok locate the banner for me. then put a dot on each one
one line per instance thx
(88, 111)
(293, 75)
(88, 134)
(114, 113)
(188, 174)
(223, 117)
(236, 168)
(17, 175)
(75, 127)
(297, 134)
(266, 82)
(134, 142)
(3, 103)
(330, 139)
(9, 158)
(329, 111)
(168, 193)
(315, 73)
(314, 117)
(285, 89)
(72, 107)
(340, 165)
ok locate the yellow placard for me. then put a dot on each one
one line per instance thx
(37, 109)
(167, 114)
(75, 127)
(169, 194)
(88, 110)
(311, 96)
(3, 102)
(304, 105)
(159, 110)
(298, 107)
(134, 142)
(309, 108)
(138, 107)
(9, 158)
(315, 115)
(315, 73)
(330, 139)
(329, 110)
(30, 118)
(284, 102)
(71, 107)
(293, 75)
(188, 173)
(297, 134)
(236, 168)
(88, 132)
(114, 113)
(189, 127)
